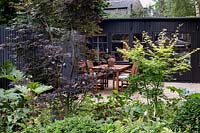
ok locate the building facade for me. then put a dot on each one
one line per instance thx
(116, 31)
(124, 8)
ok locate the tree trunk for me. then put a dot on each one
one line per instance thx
(196, 4)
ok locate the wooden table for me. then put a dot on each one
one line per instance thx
(116, 69)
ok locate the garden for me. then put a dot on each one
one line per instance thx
(37, 99)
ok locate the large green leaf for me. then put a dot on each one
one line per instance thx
(18, 75)
(11, 90)
(10, 77)
(42, 88)
(26, 92)
(13, 96)
(22, 89)
(10, 72)
(6, 68)
(33, 85)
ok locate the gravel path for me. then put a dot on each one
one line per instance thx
(191, 87)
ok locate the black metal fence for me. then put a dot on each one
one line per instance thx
(7, 53)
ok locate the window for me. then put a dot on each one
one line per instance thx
(99, 45)
(183, 43)
(118, 41)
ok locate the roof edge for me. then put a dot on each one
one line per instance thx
(155, 18)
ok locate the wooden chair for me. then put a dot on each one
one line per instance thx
(82, 67)
(123, 77)
(101, 77)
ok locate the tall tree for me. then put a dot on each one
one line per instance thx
(160, 6)
(54, 23)
(7, 11)
(80, 15)
(177, 8)
(182, 8)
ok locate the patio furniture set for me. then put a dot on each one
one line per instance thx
(101, 73)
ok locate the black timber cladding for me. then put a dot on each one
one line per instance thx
(155, 25)
(149, 24)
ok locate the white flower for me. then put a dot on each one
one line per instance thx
(145, 113)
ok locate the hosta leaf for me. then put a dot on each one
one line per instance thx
(10, 77)
(33, 85)
(13, 96)
(22, 89)
(42, 88)
(26, 92)
(10, 72)
(11, 90)
(2, 93)
(18, 75)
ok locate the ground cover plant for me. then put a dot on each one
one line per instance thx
(188, 115)
(14, 99)
(25, 103)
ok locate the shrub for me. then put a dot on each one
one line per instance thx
(14, 101)
(77, 124)
(46, 66)
(8, 74)
(188, 116)
(156, 64)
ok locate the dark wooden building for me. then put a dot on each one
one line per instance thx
(117, 30)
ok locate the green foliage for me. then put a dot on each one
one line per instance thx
(14, 107)
(13, 102)
(7, 11)
(113, 117)
(195, 95)
(136, 14)
(117, 115)
(10, 72)
(188, 116)
(117, 107)
(78, 124)
(38, 88)
(85, 124)
(175, 8)
(182, 8)
(64, 14)
(182, 92)
(142, 126)
(31, 91)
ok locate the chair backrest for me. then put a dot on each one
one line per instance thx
(90, 64)
(134, 69)
(82, 66)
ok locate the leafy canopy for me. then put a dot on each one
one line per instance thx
(175, 8)
(80, 15)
